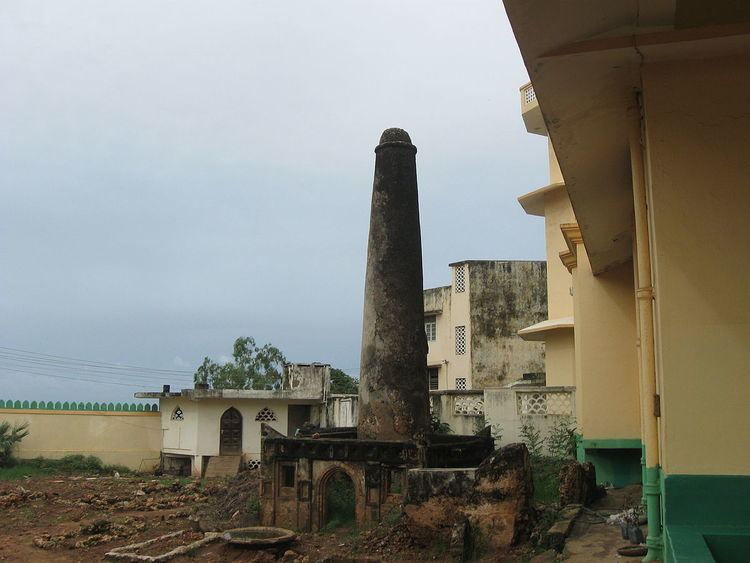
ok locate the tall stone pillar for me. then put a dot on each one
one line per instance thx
(393, 394)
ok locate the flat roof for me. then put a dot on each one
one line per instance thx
(538, 332)
(533, 202)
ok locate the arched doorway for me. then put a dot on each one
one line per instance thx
(338, 501)
(230, 434)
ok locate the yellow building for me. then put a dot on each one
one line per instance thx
(472, 324)
(646, 108)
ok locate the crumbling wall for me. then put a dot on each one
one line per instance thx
(505, 297)
(437, 299)
(310, 379)
(495, 499)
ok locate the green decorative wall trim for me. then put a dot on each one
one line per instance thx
(74, 406)
(706, 517)
(617, 460)
(612, 444)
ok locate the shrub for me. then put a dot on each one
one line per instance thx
(438, 427)
(9, 437)
(532, 437)
(76, 464)
(561, 442)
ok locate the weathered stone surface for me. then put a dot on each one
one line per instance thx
(504, 492)
(393, 395)
(555, 537)
(426, 483)
(505, 297)
(497, 504)
(578, 484)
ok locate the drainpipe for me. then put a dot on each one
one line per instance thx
(645, 299)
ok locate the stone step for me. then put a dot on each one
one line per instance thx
(222, 466)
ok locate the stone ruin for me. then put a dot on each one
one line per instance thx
(391, 457)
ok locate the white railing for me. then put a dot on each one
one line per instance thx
(468, 405)
(544, 402)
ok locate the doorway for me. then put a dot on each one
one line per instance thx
(338, 501)
(230, 434)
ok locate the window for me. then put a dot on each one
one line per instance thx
(459, 281)
(460, 340)
(288, 473)
(461, 383)
(430, 327)
(432, 377)
(265, 415)
(177, 414)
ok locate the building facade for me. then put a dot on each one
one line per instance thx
(472, 324)
(206, 431)
(645, 105)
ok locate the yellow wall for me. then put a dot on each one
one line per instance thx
(130, 439)
(560, 358)
(555, 175)
(698, 137)
(442, 351)
(607, 401)
(557, 210)
(460, 365)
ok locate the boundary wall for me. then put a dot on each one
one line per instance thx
(127, 434)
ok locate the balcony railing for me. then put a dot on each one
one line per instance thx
(544, 402)
(530, 110)
(528, 95)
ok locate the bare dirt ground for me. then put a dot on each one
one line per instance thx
(64, 518)
(81, 518)
(74, 518)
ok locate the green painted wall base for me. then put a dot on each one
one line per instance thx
(617, 461)
(706, 518)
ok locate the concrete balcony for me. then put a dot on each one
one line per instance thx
(530, 112)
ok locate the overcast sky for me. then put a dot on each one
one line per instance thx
(175, 174)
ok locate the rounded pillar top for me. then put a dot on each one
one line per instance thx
(395, 137)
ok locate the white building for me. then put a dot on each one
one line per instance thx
(211, 432)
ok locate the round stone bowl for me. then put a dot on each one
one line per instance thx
(259, 536)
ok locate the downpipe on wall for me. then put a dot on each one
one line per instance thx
(645, 301)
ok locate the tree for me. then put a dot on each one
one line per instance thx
(343, 383)
(251, 368)
(9, 437)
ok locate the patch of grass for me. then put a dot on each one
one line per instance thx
(547, 478)
(20, 471)
(72, 464)
(169, 481)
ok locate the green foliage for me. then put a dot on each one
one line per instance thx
(10, 435)
(20, 470)
(532, 437)
(343, 383)
(340, 502)
(75, 464)
(252, 367)
(438, 427)
(561, 441)
(546, 474)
